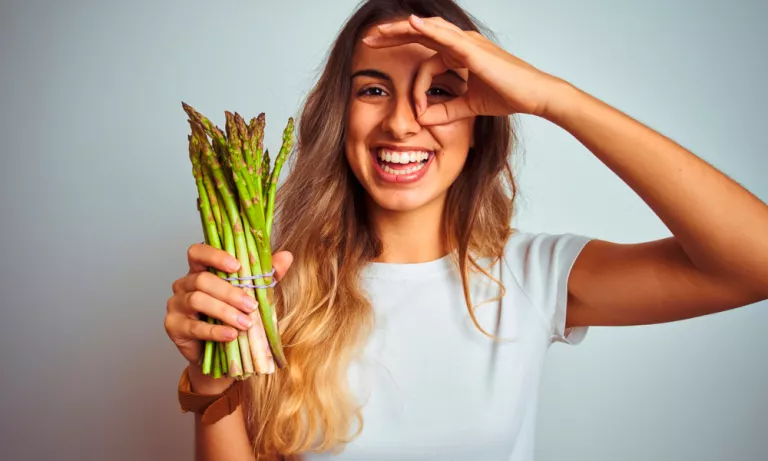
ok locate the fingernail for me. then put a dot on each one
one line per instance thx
(385, 26)
(244, 320)
(233, 265)
(417, 19)
(231, 334)
(249, 303)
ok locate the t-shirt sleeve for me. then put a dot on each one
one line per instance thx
(541, 264)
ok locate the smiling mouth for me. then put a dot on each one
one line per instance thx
(400, 163)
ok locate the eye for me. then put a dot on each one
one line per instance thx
(371, 91)
(435, 91)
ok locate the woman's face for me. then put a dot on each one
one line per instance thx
(402, 165)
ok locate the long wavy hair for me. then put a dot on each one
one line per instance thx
(325, 316)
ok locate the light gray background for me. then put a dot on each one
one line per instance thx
(98, 208)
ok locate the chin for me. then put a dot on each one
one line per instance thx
(401, 201)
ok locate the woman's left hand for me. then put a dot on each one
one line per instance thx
(499, 83)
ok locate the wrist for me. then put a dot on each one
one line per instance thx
(211, 402)
(562, 101)
(207, 384)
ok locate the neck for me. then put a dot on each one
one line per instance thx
(410, 237)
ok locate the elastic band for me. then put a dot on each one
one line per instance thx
(253, 277)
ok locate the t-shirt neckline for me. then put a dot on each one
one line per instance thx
(379, 270)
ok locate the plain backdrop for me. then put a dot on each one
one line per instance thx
(98, 208)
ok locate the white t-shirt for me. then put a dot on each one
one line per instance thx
(433, 386)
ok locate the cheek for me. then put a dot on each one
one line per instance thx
(454, 139)
(361, 122)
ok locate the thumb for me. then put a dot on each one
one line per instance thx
(281, 261)
(446, 112)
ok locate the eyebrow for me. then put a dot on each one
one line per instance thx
(375, 73)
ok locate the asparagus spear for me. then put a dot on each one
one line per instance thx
(234, 362)
(241, 177)
(257, 335)
(285, 149)
(235, 146)
(241, 250)
(233, 213)
(255, 215)
(222, 357)
(210, 231)
(210, 188)
(256, 132)
(265, 176)
(216, 363)
(244, 136)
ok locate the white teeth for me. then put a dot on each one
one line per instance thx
(401, 172)
(402, 157)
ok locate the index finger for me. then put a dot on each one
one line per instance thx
(398, 33)
(201, 256)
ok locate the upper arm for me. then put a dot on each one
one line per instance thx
(645, 283)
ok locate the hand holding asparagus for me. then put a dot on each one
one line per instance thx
(236, 191)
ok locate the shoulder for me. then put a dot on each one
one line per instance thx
(531, 253)
(541, 263)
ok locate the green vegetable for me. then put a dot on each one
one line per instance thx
(236, 196)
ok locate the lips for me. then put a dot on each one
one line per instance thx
(399, 173)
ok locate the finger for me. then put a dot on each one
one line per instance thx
(219, 289)
(204, 331)
(389, 40)
(434, 33)
(427, 71)
(446, 112)
(201, 256)
(198, 302)
(441, 31)
(281, 261)
(186, 333)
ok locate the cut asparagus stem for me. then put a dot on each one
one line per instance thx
(234, 362)
(245, 271)
(222, 357)
(216, 364)
(259, 341)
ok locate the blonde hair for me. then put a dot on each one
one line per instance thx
(324, 315)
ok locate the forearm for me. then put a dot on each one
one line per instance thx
(225, 439)
(720, 226)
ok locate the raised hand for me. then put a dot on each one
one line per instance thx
(498, 84)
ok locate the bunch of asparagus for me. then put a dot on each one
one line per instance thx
(236, 200)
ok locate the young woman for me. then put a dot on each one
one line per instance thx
(415, 320)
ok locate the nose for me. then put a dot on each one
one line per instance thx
(401, 120)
